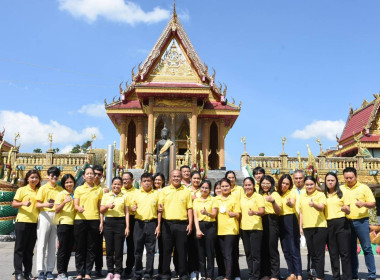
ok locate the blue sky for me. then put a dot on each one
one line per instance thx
(295, 65)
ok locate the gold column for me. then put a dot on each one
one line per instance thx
(221, 144)
(139, 143)
(123, 129)
(150, 126)
(206, 141)
(194, 130)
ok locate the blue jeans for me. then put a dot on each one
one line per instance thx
(360, 229)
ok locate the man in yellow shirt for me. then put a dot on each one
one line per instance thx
(147, 226)
(361, 199)
(185, 173)
(258, 173)
(176, 205)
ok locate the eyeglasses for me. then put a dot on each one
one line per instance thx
(98, 174)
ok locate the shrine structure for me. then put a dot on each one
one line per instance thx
(173, 87)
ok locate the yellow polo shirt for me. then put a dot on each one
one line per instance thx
(269, 206)
(176, 202)
(254, 203)
(129, 193)
(67, 214)
(257, 187)
(361, 192)
(226, 224)
(88, 198)
(311, 217)
(120, 201)
(298, 194)
(200, 204)
(147, 203)
(47, 192)
(27, 214)
(237, 192)
(285, 209)
(333, 209)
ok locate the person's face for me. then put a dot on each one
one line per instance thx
(218, 190)
(33, 180)
(116, 186)
(127, 180)
(248, 187)
(69, 185)
(98, 176)
(147, 184)
(185, 173)
(176, 178)
(196, 180)
(331, 182)
(258, 175)
(285, 185)
(53, 179)
(89, 176)
(226, 188)
(205, 190)
(158, 182)
(298, 179)
(232, 178)
(266, 185)
(350, 178)
(310, 186)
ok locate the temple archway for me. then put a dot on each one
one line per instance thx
(213, 158)
(131, 144)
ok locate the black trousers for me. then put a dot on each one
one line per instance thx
(338, 242)
(114, 234)
(206, 249)
(316, 244)
(65, 235)
(26, 237)
(86, 234)
(144, 237)
(160, 256)
(290, 243)
(270, 257)
(229, 244)
(252, 248)
(174, 234)
(192, 254)
(99, 253)
(130, 262)
(219, 257)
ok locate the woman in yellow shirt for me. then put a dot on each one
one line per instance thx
(289, 227)
(270, 257)
(26, 225)
(64, 209)
(159, 184)
(338, 227)
(252, 207)
(204, 218)
(313, 224)
(228, 229)
(218, 251)
(116, 227)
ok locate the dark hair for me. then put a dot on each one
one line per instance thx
(117, 178)
(272, 184)
(54, 170)
(183, 167)
(225, 180)
(205, 181)
(337, 187)
(129, 173)
(312, 178)
(279, 188)
(98, 167)
(147, 175)
(217, 183)
(162, 177)
(195, 172)
(252, 181)
(350, 169)
(64, 179)
(88, 167)
(30, 173)
(229, 172)
(258, 169)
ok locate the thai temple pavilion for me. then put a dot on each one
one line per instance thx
(361, 134)
(173, 87)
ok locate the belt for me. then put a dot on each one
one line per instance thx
(147, 221)
(176, 221)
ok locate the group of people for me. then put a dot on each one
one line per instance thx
(193, 223)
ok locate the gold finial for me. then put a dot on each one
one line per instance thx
(283, 144)
(93, 137)
(17, 135)
(318, 141)
(50, 137)
(174, 12)
(243, 140)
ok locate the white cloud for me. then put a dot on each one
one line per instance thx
(93, 110)
(66, 149)
(113, 10)
(325, 129)
(34, 132)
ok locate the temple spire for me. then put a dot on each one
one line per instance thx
(174, 11)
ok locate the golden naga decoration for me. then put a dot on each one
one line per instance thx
(318, 141)
(213, 74)
(283, 144)
(17, 135)
(50, 137)
(120, 88)
(242, 140)
(358, 143)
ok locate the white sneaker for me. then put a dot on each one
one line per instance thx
(193, 276)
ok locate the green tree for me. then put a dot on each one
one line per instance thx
(56, 150)
(76, 149)
(85, 146)
(37, 150)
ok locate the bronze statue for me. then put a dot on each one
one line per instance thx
(163, 153)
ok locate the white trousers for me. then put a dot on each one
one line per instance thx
(46, 241)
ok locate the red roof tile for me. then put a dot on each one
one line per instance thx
(357, 122)
(168, 84)
(130, 104)
(370, 138)
(218, 106)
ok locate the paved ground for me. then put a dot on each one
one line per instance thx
(6, 263)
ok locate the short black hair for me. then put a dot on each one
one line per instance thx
(183, 167)
(283, 177)
(195, 172)
(64, 179)
(258, 169)
(129, 173)
(54, 170)
(98, 167)
(350, 169)
(252, 181)
(162, 177)
(337, 188)
(147, 175)
(271, 181)
(229, 172)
